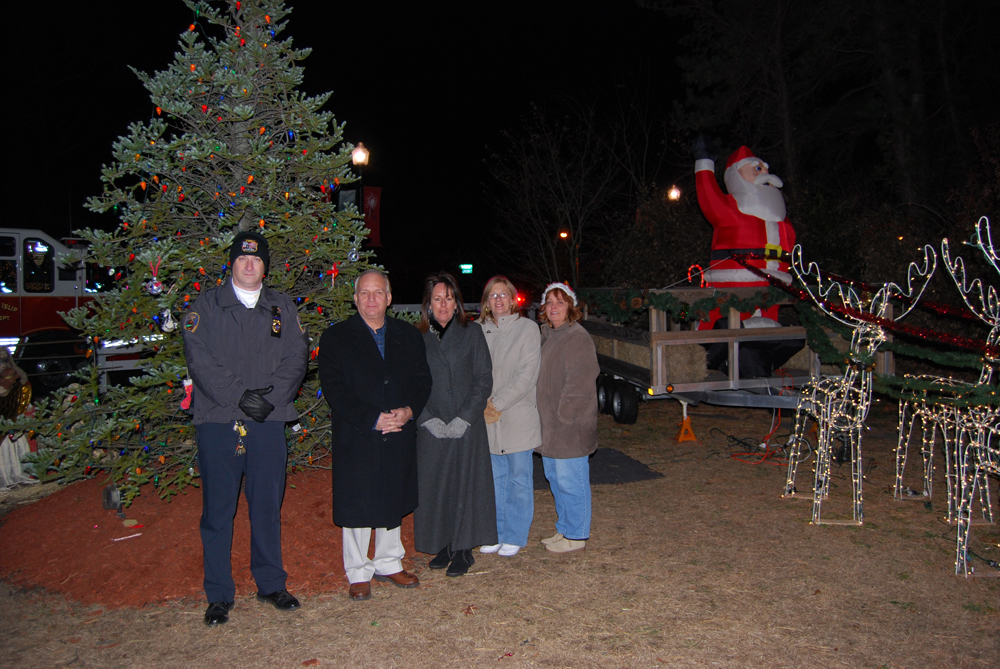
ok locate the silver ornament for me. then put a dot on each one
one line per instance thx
(167, 322)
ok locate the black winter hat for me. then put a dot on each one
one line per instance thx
(250, 244)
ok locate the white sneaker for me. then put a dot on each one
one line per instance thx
(490, 549)
(508, 550)
(554, 538)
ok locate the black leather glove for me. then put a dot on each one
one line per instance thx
(704, 149)
(254, 405)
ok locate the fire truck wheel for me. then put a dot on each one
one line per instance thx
(624, 403)
(51, 374)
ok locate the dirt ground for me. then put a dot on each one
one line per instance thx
(707, 566)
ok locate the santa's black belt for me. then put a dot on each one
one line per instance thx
(768, 254)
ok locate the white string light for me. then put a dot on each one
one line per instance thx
(839, 404)
(977, 447)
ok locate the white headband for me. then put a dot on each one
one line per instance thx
(562, 286)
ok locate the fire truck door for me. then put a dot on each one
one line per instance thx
(10, 288)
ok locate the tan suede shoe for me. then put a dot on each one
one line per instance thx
(565, 545)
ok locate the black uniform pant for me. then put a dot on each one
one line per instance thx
(221, 471)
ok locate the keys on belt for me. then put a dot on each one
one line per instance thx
(240, 428)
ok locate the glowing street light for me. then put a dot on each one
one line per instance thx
(359, 156)
(563, 234)
(674, 193)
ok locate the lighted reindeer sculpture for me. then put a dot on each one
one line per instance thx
(977, 441)
(840, 404)
(932, 410)
(938, 407)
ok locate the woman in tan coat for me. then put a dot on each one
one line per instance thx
(512, 413)
(567, 406)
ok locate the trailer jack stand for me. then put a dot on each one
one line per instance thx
(686, 433)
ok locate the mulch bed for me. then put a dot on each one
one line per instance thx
(66, 543)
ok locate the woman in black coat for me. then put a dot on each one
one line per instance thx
(457, 508)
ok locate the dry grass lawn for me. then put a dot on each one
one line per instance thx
(706, 567)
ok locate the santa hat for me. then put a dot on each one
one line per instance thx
(561, 286)
(740, 157)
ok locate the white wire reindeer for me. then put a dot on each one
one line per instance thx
(977, 446)
(840, 404)
(934, 416)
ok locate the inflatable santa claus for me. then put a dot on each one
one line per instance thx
(749, 220)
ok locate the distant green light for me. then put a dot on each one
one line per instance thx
(466, 268)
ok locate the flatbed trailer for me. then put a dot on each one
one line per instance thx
(634, 363)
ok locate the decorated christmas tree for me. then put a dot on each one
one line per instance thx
(231, 145)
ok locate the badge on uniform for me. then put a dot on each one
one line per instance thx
(275, 321)
(191, 322)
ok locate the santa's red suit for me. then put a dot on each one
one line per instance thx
(751, 219)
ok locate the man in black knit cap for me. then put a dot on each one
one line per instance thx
(246, 353)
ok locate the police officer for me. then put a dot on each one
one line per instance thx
(246, 353)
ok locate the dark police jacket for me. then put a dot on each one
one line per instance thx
(230, 349)
(374, 474)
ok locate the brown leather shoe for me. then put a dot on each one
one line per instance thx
(401, 579)
(359, 592)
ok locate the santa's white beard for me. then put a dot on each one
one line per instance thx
(762, 199)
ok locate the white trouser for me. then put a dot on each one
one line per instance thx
(389, 552)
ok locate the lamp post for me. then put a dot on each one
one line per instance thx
(359, 156)
(566, 236)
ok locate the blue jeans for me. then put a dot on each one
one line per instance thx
(569, 479)
(513, 485)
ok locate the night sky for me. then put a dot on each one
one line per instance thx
(426, 87)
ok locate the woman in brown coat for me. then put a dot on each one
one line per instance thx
(567, 406)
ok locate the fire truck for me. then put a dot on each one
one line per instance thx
(36, 283)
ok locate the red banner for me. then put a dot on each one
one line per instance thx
(372, 206)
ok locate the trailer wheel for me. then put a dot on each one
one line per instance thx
(605, 384)
(624, 403)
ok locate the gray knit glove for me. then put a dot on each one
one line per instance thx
(436, 427)
(456, 428)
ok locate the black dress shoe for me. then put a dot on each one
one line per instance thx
(217, 613)
(461, 562)
(282, 600)
(442, 559)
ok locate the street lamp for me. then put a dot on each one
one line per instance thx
(674, 193)
(359, 156)
(565, 236)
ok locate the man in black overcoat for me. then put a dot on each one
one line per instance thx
(374, 374)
